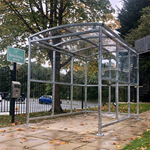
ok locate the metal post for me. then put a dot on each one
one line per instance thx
(53, 92)
(82, 99)
(129, 55)
(100, 83)
(109, 85)
(117, 89)
(13, 99)
(138, 87)
(85, 88)
(28, 84)
(71, 84)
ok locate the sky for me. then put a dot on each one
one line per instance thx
(116, 3)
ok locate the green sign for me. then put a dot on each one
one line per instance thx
(15, 55)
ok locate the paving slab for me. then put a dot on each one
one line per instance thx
(73, 133)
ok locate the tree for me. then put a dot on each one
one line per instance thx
(129, 15)
(20, 18)
(143, 28)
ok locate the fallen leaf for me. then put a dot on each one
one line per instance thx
(56, 138)
(143, 148)
(26, 147)
(139, 137)
(148, 130)
(61, 143)
(88, 138)
(124, 140)
(3, 130)
(32, 130)
(133, 138)
(117, 135)
(148, 145)
(10, 135)
(137, 148)
(81, 124)
(118, 146)
(20, 129)
(114, 143)
(65, 128)
(53, 142)
(13, 124)
(83, 141)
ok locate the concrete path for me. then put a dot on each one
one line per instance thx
(73, 133)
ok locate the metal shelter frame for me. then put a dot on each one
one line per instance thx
(117, 62)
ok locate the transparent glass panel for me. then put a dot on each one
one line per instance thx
(92, 98)
(113, 67)
(78, 102)
(78, 71)
(105, 98)
(109, 66)
(105, 68)
(92, 72)
(82, 28)
(65, 93)
(122, 102)
(133, 68)
(41, 67)
(64, 73)
(40, 97)
(88, 52)
(123, 64)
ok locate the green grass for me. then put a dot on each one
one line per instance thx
(123, 108)
(142, 142)
(5, 120)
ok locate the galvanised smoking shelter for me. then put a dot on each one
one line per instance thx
(117, 63)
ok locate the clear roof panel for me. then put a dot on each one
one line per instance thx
(81, 40)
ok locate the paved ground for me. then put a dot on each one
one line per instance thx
(73, 133)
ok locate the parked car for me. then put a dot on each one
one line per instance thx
(47, 99)
(3, 95)
(8, 97)
(21, 98)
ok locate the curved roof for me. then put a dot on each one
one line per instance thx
(81, 40)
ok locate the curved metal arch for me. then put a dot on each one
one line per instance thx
(64, 26)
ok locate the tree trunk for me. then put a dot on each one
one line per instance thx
(58, 66)
(57, 106)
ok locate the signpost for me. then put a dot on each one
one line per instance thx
(17, 56)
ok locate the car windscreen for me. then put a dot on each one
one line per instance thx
(48, 96)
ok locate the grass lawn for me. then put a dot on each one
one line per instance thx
(123, 108)
(141, 143)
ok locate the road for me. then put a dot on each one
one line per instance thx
(20, 107)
